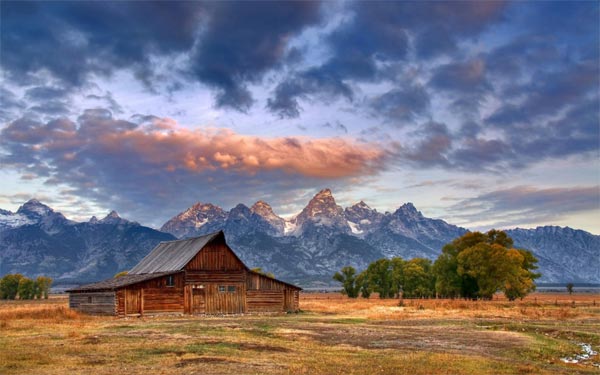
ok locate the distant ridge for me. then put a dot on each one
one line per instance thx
(306, 249)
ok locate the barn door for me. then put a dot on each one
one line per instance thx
(225, 298)
(198, 301)
(133, 301)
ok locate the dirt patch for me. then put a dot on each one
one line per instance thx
(202, 360)
(448, 339)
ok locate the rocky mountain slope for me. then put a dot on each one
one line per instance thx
(305, 249)
(36, 240)
(324, 237)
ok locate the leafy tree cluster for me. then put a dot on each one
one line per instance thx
(389, 278)
(475, 265)
(17, 285)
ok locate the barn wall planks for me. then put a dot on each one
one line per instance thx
(215, 256)
(257, 281)
(96, 303)
(152, 296)
(264, 301)
(235, 276)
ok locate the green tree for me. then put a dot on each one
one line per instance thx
(570, 288)
(380, 277)
(418, 278)
(348, 279)
(487, 264)
(363, 285)
(26, 288)
(447, 281)
(43, 285)
(520, 277)
(479, 265)
(397, 269)
(9, 286)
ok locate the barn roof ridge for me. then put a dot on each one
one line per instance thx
(194, 238)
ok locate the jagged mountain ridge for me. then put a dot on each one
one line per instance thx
(305, 249)
(323, 237)
(36, 240)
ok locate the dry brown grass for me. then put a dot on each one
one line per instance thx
(538, 306)
(333, 335)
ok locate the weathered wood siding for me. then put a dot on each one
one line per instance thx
(215, 256)
(264, 301)
(151, 297)
(255, 281)
(199, 277)
(268, 295)
(96, 303)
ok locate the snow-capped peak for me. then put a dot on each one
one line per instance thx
(408, 209)
(262, 208)
(33, 207)
(321, 211)
(361, 204)
(199, 218)
(112, 218)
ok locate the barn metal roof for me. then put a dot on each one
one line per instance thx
(172, 255)
(115, 283)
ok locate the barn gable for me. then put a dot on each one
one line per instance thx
(172, 255)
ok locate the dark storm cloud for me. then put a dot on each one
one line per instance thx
(323, 83)
(51, 108)
(244, 40)
(432, 148)
(229, 44)
(403, 104)
(119, 163)
(73, 39)
(548, 93)
(466, 81)
(43, 93)
(527, 204)
(378, 35)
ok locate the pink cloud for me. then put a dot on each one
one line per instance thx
(167, 146)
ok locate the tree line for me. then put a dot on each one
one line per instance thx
(17, 285)
(475, 265)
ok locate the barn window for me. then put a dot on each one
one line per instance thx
(231, 288)
(222, 288)
(170, 280)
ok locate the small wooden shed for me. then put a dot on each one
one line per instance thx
(199, 275)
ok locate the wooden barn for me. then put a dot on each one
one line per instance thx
(200, 275)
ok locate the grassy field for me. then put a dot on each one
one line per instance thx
(332, 335)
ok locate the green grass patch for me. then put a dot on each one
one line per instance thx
(213, 348)
(349, 321)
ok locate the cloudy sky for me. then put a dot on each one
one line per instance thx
(485, 114)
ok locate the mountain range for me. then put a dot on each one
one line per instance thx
(305, 249)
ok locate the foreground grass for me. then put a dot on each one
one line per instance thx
(332, 335)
